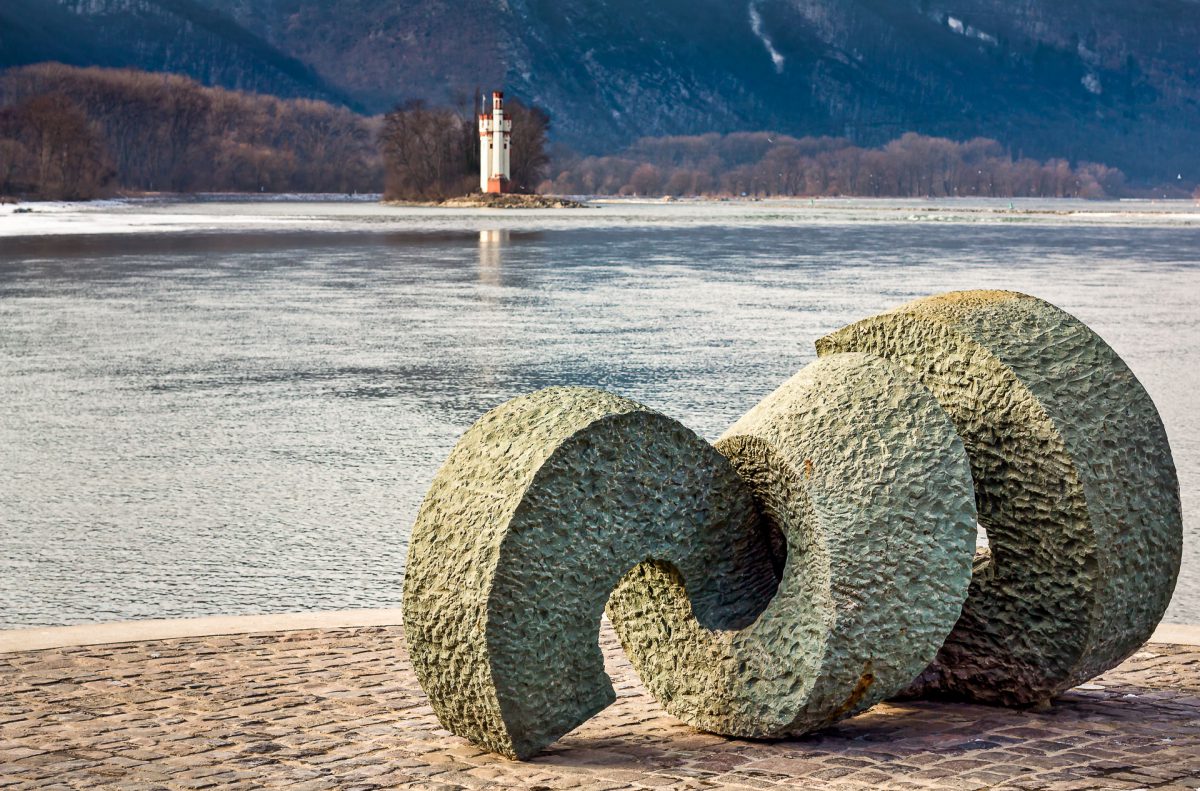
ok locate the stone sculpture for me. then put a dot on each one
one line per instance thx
(1075, 485)
(819, 558)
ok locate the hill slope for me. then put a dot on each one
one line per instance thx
(179, 36)
(1106, 80)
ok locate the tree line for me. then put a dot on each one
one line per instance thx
(763, 164)
(78, 133)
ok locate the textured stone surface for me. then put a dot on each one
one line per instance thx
(541, 508)
(856, 465)
(1074, 481)
(341, 709)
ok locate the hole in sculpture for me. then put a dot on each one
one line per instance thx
(983, 551)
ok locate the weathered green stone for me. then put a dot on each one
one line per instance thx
(541, 508)
(857, 467)
(1074, 483)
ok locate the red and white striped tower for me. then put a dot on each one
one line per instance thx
(495, 138)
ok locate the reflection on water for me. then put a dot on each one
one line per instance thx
(491, 256)
(198, 424)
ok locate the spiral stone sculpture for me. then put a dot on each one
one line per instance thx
(820, 557)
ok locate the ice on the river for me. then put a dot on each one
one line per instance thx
(364, 213)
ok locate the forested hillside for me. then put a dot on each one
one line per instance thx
(1103, 81)
(1106, 80)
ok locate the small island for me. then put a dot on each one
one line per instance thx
(493, 201)
(497, 188)
(439, 158)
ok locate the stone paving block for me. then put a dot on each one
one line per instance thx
(1095, 739)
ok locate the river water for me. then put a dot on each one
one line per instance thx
(213, 408)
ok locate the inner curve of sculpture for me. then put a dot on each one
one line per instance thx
(819, 558)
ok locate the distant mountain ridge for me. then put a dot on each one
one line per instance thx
(1106, 80)
(180, 36)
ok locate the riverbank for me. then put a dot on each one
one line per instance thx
(340, 708)
(496, 202)
(273, 213)
(40, 638)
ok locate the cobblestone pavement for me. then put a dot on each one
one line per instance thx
(341, 709)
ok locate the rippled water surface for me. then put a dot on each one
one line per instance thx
(206, 419)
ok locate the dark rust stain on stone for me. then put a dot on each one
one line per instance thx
(858, 693)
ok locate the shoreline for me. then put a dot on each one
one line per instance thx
(590, 198)
(329, 215)
(508, 201)
(41, 638)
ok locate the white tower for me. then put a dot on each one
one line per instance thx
(495, 138)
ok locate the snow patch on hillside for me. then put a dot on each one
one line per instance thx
(756, 25)
(962, 29)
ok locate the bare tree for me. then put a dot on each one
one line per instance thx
(531, 130)
(423, 154)
(52, 150)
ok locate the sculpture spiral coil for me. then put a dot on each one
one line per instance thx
(820, 557)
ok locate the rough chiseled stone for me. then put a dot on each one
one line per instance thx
(1074, 481)
(541, 508)
(860, 470)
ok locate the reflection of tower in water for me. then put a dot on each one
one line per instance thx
(490, 319)
(491, 256)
